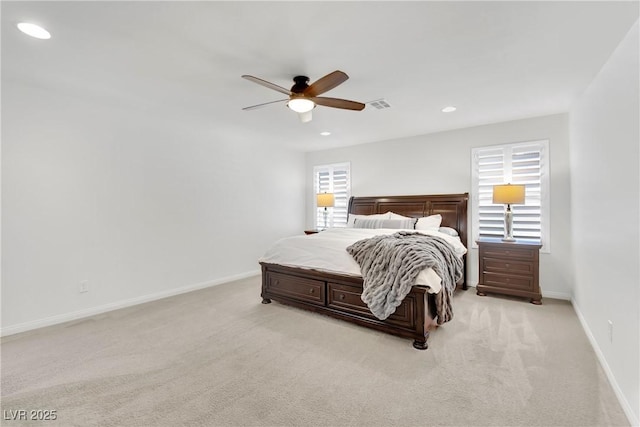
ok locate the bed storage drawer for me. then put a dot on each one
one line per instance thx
(299, 288)
(347, 298)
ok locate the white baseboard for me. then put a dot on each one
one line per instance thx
(626, 407)
(66, 317)
(556, 295)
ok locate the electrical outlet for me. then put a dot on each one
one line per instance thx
(84, 286)
(610, 331)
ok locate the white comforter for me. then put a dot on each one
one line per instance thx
(326, 251)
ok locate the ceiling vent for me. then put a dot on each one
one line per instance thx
(380, 104)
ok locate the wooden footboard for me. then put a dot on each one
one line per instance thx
(339, 296)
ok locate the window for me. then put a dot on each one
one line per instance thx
(522, 163)
(334, 179)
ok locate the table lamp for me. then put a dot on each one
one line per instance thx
(325, 200)
(508, 194)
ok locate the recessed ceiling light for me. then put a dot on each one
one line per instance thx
(325, 133)
(449, 109)
(34, 30)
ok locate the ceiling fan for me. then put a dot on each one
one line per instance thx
(304, 97)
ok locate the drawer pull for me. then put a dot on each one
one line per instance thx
(311, 290)
(506, 265)
(277, 282)
(341, 296)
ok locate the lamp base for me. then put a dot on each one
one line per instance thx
(325, 212)
(508, 225)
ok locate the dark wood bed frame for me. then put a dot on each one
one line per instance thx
(339, 296)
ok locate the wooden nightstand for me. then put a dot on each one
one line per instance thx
(509, 268)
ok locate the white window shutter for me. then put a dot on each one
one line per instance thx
(526, 165)
(334, 178)
(489, 169)
(522, 163)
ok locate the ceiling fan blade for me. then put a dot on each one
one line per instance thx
(338, 103)
(253, 107)
(326, 83)
(267, 84)
(305, 117)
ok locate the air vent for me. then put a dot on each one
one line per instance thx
(380, 104)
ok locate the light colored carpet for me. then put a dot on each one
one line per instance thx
(220, 357)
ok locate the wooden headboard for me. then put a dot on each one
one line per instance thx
(452, 207)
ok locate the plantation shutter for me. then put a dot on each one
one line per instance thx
(526, 169)
(525, 164)
(490, 171)
(334, 179)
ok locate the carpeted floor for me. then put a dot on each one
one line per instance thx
(220, 357)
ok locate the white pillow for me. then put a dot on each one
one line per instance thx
(448, 230)
(353, 217)
(431, 222)
(393, 215)
(406, 224)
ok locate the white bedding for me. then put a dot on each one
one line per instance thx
(326, 251)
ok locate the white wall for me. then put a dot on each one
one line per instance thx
(139, 205)
(605, 197)
(441, 163)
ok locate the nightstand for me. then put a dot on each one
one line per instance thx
(509, 268)
(314, 231)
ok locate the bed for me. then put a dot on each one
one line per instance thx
(337, 293)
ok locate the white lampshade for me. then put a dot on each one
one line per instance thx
(325, 200)
(508, 194)
(301, 105)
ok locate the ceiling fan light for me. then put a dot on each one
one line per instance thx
(301, 105)
(34, 30)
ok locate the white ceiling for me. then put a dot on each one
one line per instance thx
(495, 61)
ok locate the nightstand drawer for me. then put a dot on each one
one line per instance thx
(508, 281)
(508, 266)
(296, 287)
(511, 253)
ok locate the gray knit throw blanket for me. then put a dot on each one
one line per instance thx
(390, 265)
